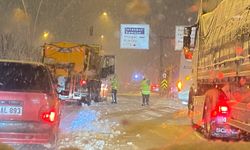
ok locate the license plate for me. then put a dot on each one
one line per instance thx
(221, 119)
(11, 110)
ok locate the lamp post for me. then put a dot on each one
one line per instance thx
(45, 35)
(101, 41)
(105, 13)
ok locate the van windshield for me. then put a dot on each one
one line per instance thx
(23, 77)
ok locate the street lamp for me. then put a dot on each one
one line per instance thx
(102, 37)
(105, 16)
(45, 35)
(105, 13)
(19, 15)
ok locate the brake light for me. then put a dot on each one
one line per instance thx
(49, 116)
(214, 113)
(83, 82)
(220, 110)
(223, 109)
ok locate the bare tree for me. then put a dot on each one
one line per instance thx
(11, 47)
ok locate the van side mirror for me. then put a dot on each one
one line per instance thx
(188, 53)
(187, 37)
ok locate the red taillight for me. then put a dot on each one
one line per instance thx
(83, 82)
(220, 110)
(223, 109)
(214, 113)
(49, 116)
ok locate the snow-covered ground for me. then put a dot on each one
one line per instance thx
(129, 126)
(95, 127)
(84, 129)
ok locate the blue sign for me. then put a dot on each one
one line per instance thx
(134, 36)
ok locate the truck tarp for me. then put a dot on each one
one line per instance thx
(223, 28)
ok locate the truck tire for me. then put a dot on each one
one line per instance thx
(191, 115)
(207, 131)
(79, 103)
(210, 97)
(194, 126)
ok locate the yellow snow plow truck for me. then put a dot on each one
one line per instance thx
(79, 70)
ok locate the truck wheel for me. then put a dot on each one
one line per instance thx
(79, 102)
(194, 126)
(191, 116)
(210, 98)
(88, 102)
(207, 124)
(208, 132)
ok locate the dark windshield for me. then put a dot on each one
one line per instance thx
(23, 77)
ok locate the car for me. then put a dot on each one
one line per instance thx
(29, 104)
(155, 87)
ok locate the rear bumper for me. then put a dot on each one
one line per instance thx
(225, 131)
(26, 138)
(27, 132)
(221, 129)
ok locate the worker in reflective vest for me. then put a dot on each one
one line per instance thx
(145, 91)
(114, 86)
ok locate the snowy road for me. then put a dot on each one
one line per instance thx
(103, 125)
(129, 126)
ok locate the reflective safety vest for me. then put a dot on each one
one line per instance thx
(145, 87)
(114, 83)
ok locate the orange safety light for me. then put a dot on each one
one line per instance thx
(179, 85)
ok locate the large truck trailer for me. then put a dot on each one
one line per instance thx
(219, 99)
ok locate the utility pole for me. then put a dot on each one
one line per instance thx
(161, 58)
(163, 66)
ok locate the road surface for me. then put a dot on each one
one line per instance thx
(129, 126)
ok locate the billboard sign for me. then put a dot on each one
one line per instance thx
(134, 36)
(179, 33)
